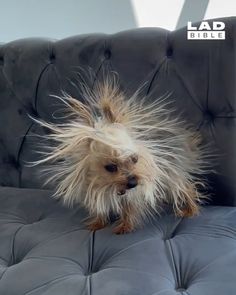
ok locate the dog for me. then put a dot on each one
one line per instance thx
(121, 155)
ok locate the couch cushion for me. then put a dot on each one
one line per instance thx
(45, 249)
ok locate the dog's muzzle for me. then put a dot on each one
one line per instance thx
(132, 182)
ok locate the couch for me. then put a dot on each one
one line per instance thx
(45, 249)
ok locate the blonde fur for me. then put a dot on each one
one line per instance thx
(141, 139)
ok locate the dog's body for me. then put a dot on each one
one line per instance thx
(123, 156)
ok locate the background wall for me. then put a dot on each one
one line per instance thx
(62, 18)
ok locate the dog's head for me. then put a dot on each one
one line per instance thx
(113, 149)
(118, 164)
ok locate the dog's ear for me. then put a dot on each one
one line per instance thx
(109, 112)
(81, 110)
(112, 107)
(110, 100)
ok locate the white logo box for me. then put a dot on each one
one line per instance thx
(205, 31)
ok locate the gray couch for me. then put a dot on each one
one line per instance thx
(44, 247)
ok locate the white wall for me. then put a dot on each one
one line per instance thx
(166, 13)
(62, 18)
(219, 8)
(157, 13)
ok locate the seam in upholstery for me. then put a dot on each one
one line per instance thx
(13, 244)
(3, 273)
(212, 131)
(133, 270)
(13, 92)
(174, 230)
(161, 291)
(6, 213)
(156, 71)
(125, 249)
(209, 264)
(19, 151)
(172, 262)
(91, 252)
(56, 236)
(190, 92)
(37, 85)
(104, 60)
(56, 258)
(225, 117)
(89, 285)
(3, 259)
(201, 123)
(13, 222)
(206, 235)
(62, 278)
(160, 64)
(12, 259)
(85, 288)
(208, 88)
(97, 72)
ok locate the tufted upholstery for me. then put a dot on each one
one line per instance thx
(45, 250)
(44, 247)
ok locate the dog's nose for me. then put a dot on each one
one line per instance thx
(132, 182)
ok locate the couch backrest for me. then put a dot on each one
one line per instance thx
(199, 74)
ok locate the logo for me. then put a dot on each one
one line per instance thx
(205, 31)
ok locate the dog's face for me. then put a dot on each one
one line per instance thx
(121, 167)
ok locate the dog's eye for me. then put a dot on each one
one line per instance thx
(111, 167)
(134, 158)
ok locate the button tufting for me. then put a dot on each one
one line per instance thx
(15, 261)
(209, 116)
(89, 273)
(1, 60)
(52, 57)
(12, 161)
(169, 52)
(20, 111)
(168, 236)
(32, 111)
(107, 53)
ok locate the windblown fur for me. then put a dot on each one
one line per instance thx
(140, 139)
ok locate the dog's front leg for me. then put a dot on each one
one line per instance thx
(190, 209)
(127, 221)
(96, 223)
(190, 205)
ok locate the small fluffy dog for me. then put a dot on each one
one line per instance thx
(123, 156)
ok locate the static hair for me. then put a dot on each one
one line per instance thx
(172, 151)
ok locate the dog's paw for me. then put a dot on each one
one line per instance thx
(123, 228)
(96, 225)
(189, 211)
